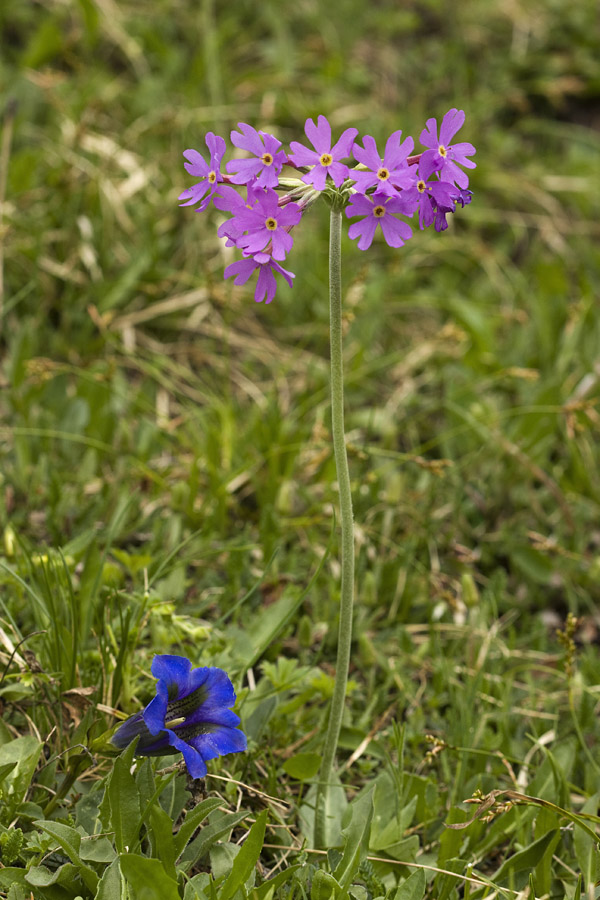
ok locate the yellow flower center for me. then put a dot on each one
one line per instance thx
(383, 174)
(326, 159)
(212, 177)
(379, 211)
(271, 223)
(421, 187)
(442, 150)
(267, 159)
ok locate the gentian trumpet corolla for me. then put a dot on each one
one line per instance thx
(190, 713)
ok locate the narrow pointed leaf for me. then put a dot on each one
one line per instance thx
(245, 861)
(192, 820)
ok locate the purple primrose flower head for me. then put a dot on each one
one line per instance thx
(191, 713)
(378, 190)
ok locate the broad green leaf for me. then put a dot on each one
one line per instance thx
(67, 837)
(324, 886)
(153, 799)
(97, 849)
(147, 878)
(545, 820)
(413, 888)
(110, 883)
(586, 849)
(394, 829)
(358, 892)
(124, 799)
(174, 796)
(404, 849)
(161, 827)
(70, 841)
(42, 876)
(222, 856)
(16, 892)
(356, 839)
(23, 754)
(302, 765)
(5, 769)
(265, 891)
(11, 875)
(192, 820)
(528, 858)
(195, 888)
(445, 884)
(211, 833)
(30, 810)
(146, 785)
(451, 840)
(246, 859)
(336, 804)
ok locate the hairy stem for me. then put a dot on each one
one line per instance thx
(347, 543)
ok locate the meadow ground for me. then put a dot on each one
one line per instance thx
(167, 482)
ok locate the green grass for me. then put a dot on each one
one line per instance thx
(167, 480)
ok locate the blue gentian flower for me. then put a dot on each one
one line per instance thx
(190, 713)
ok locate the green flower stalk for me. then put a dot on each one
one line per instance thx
(346, 518)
